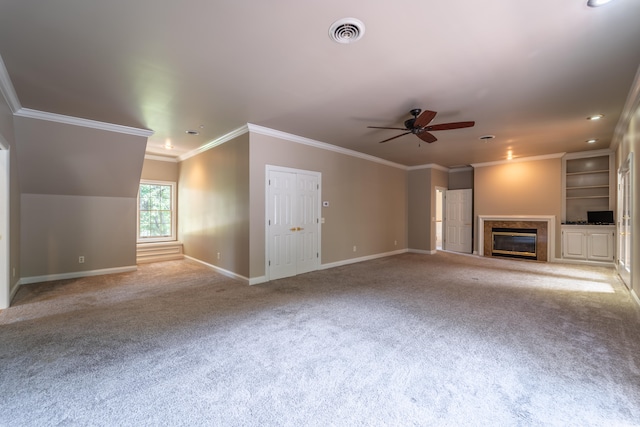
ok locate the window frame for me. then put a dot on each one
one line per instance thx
(173, 235)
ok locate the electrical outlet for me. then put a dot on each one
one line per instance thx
(218, 255)
(81, 259)
(354, 249)
(395, 243)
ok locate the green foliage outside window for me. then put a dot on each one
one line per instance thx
(155, 210)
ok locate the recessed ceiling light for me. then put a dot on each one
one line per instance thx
(592, 141)
(192, 132)
(596, 3)
(595, 117)
(486, 138)
(168, 145)
(346, 30)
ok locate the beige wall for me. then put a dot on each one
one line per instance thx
(422, 207)
(56, 230)
(460, 179)
(519, 188)
(368, 200)
(213, 206)
(159, 170)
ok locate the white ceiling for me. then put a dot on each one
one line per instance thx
(528, 72)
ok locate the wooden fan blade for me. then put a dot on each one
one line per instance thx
(394, 137)
(426, 137)
(447, 126)
(379, 127)
(424, 118)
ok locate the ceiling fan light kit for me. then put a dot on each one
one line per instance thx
(596, 3)
(420, 127)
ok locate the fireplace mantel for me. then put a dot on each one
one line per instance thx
(549, 219)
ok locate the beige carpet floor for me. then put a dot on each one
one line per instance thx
(408, 340)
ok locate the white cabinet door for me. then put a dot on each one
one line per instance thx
(600, 246)
(574, 244)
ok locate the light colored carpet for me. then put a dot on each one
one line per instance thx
(409, 340)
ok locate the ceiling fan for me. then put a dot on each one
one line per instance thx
(419, 126)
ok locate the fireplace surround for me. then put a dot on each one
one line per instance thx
(543, 226)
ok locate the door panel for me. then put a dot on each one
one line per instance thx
(293, 223)
(307, 220)
(281, 229)
(458, 219)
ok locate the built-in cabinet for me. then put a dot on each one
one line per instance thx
(588, 184)
(588, 243)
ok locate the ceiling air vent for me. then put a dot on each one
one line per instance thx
(347, 30)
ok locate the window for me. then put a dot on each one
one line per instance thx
(156, 211)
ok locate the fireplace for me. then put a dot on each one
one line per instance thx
(514, 242)
(523, 245)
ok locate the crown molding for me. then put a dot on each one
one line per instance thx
(218, 141)
(518, 160)
(7, 89)
(322, 145)
(429, 166)
(161, 158)
(629, 109)
(76, 121)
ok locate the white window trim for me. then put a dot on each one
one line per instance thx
(173, 213)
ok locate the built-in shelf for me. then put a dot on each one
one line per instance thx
(587, 184)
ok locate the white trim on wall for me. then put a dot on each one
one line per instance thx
(429, 166)
(364, 258)
(76, 121)
(518, 160)
(77, 274)
(222, 271)
(161, 158)
(7, 89)
(5, 249)
(218, 141)
(318, 144)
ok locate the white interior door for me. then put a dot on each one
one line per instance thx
(293, 222)
(625, 193)
(458, 220)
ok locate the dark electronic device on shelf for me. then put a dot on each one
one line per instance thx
(600, 217)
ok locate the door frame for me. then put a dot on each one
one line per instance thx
(625, 168)
(268, 170)
(5, 211)
(442, 193)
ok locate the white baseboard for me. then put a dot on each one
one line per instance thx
(364, 258)
(14, 291)
(635, 297)
(75, 275)
(222, 271)
(585, 262)
(421, 251)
